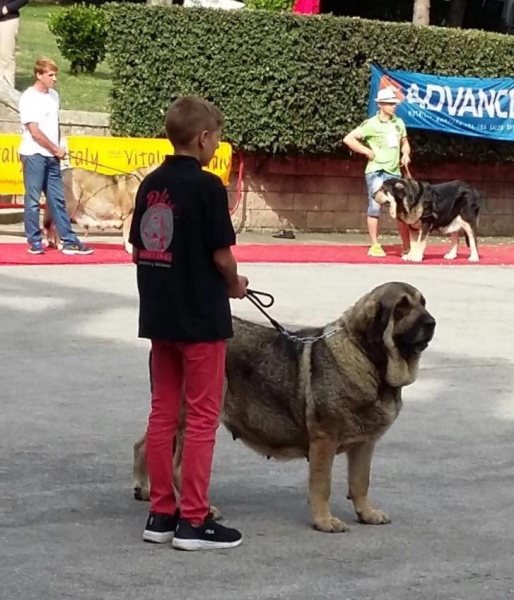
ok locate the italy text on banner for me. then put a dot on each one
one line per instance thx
(462, 105)
(107, 155)
(11, 177)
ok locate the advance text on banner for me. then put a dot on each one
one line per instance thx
(478, 107)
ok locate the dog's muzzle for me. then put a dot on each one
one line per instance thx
(382, 197)
(418, 339)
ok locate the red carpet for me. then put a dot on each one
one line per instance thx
(110, 254)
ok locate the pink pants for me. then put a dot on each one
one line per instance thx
(198, 371)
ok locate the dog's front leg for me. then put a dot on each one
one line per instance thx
(321, 459)
(359, 467)
(413, 241)
(416, 255)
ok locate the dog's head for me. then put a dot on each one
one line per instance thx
(404, 198)
(393, 327)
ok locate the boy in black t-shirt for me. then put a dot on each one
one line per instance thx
(182, 233)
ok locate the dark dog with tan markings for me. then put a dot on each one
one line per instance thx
(450, 207)
(287, 399)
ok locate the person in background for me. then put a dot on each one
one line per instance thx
(40, 154)
(382, 139)
(9, 25)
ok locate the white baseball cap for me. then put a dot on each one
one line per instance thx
(387, 96)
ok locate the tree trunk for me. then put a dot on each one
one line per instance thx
(456, 13)
(421, 14)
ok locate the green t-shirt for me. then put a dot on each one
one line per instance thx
(384, 139)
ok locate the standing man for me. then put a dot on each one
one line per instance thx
(41, 154)
(384, 137)
(9, 25)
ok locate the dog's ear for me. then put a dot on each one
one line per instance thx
(388, 308)
(399, 189)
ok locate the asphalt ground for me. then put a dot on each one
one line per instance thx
(75, 396)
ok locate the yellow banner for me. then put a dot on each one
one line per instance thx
(107, 155)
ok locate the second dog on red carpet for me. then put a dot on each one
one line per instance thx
(451, 208)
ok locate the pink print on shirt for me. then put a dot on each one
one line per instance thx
(157, 227)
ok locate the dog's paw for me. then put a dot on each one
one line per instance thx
(141, 493)
(473, 258)
(373, 517)
(451, 255)
(128, 247)
(215, 514)
(330, 525)
(406, 257)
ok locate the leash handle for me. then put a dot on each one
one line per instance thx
(262, 298)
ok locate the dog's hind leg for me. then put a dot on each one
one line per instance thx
(470, 231)
(452, 253)
(139, 471)
(359, 467)
(321, 459)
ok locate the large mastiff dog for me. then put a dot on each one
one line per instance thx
(287, 399)
(96, 200)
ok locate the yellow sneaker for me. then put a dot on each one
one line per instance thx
(376, 251)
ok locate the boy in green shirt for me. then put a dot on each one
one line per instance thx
(381, 139)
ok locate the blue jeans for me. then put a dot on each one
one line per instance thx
(43, 174)
(373, 181)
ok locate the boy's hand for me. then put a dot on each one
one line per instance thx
(238, 290)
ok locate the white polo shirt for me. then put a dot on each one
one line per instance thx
(43, 109)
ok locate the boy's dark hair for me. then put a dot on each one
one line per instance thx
(188, 116)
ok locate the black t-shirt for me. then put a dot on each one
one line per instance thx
(180, 219)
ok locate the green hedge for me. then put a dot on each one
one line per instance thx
(286, 83)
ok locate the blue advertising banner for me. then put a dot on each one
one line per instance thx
(463, 105)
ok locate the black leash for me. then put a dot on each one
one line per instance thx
(262, 300)
(257, 299)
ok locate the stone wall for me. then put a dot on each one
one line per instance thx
(323, 195)
(72, 122)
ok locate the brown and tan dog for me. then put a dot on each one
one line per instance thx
(96, 200)
(286, 399)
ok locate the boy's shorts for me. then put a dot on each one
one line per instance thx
(373, 181)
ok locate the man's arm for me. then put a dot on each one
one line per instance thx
(40, 138)
(353, 141)
(405, 148)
